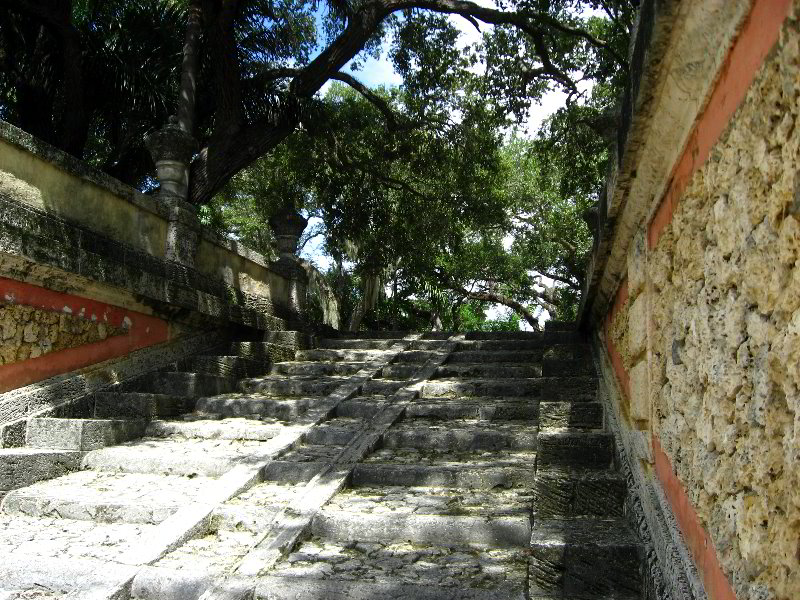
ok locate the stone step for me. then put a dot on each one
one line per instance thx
(61, 558)
(360, 570)
(382, 387)
(575, 448)
(461, 436)
(399, 371)
(140, 405)
(519, 459)
(81, 434)
(574, 493)
(292, 386)
(23, 466)
(187, 457)
(187, 384)
(585, 558)
(284, 471)
(452, 388)
(427, 344)
(488, 370)
(305, 453)
(106, 497)
(233, 366)
(541, 341)
(297, 339)
(578, 415)
(374, 335)
(506, 335)
(445, 516)
(335, 432)
(332, 355)
(464, 476)
(306, 368)
(485, 409)
(263, 351)
(525, 357)
(356, 344)
(558, 367)
(415, 357)
(361, 407)
(569, 389)
(223, 429)
(256, 405)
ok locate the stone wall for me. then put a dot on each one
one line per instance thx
(28, 332)
(725, 336)
(694, 301)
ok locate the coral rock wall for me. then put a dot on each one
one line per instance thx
(724, 336)
(28, 332)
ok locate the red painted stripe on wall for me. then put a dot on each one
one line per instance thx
(759, 34)
(143, 330)
(699, 542)
(616, 359)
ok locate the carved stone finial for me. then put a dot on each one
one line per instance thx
(287, 227)
(172, 150)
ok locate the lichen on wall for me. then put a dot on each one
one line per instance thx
(724, 336)
(618, 332)
(27, 332)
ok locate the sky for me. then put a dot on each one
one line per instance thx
(375, 72)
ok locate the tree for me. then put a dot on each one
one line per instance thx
(71, 64)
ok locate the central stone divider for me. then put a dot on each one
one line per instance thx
(192, 520)
(295, 522)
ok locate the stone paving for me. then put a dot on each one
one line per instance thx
(358, 470)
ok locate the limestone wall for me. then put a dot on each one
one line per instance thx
(725, 336)
(703, 331)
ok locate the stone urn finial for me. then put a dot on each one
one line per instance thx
(287, 226)
(172, 149)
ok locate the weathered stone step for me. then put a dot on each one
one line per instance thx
(23, 466)
(558, 367)
(584, 558)
(178, 383)
(223, 429)
(188, 457)
(359, 570)
(233, 366)
(578, 415)
(569, 389)
(80, 434)
(287, 338)
(465, 475)
(575, 448)
(488, 370)
(485, 409)
(310, 453)
(105, 497)
(361, 407)
(508, 335)
(443, 516)
(571, 493)
(427, 344)
(461, 436)
(415, 357)
(496, 356)
(335, 432)
(63, 558)
(263, 351)
(382, 387)
(285, 471)
(252, 510)
(356, 344)
(399, 371)
(482, 387)
(543, 340)
(256, 404)
(331, 355)
(524, 459)
(292, 386)
(305, 368)
(140, 405)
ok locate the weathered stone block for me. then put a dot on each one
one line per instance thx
(640, 392)
(637, 327)
(637, 264)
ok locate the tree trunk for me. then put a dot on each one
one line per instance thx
(369, 299)
(187, 93)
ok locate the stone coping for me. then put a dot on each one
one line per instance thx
(77, 168)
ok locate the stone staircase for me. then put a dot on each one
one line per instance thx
(419, 466)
